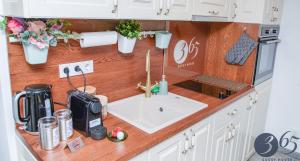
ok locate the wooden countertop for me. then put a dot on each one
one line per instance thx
(137, 141)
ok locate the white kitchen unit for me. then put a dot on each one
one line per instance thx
(273, 12)
(228, 132)
(249, 11)
(140, 9)
(192, 144)
(178, 10)
(155, 9)
(211, 8)
(256, 11)
(13, 8)
(104, 9)
(257, 115)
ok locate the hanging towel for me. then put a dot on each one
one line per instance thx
(241, 50)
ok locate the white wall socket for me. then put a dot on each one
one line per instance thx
(86, 66)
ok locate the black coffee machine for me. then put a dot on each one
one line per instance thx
(87, 115)
(37, 103)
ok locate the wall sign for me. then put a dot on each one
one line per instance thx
(266, 144)
(184, 50)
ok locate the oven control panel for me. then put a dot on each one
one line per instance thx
(269, 30)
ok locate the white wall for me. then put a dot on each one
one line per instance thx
(284, 108)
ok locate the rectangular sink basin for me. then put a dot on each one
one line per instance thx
(155, 113)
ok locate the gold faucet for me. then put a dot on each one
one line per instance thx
(148, 87)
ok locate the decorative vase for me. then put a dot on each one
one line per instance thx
(162, 39)
(125, 45)
(34, 55)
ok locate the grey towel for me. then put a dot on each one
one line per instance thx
(241, 50)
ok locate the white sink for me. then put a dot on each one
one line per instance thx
(155, 113)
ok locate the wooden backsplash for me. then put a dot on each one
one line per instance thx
(116, 76)
(212, 41)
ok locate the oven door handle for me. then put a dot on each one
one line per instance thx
(271, 42)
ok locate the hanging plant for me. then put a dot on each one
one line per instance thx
(129, 31)
(37, 35)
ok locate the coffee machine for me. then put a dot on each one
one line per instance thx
(37, 103)
(87, 115)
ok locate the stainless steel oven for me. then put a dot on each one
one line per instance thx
(266, 53)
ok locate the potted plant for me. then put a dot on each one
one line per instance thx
(128, 32)
(37, 35)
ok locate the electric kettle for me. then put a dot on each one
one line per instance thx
(37, 103)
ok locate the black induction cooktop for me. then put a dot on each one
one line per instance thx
(207, 89)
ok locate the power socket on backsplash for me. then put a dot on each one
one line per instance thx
(86, 66)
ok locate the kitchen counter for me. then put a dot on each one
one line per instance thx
(137, 141)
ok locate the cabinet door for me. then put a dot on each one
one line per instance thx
(169, 150)
(105, 9)
(177, 10)
(276, 11)
(13, 8)
(140, 9)
(200, 141)
(215, 8)
(248, 131)
(250, 11)
(237, 141)
(219, 144)
(262, 97)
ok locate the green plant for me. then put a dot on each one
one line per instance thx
(129, 28)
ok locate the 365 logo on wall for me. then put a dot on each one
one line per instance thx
(266, 144)
(185, 49)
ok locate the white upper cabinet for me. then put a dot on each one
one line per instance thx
(273, 12)
(72, 8)
(250, 11)
(155, 9)
(13, 8)
(177, 10)
(256, 11)
(140, 9)
(212, 8)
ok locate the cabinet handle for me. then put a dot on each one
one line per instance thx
(249, 108)
(213, 12)
(115, 8)
(159, 11)
(186, 144)
(235, 8)
(167, 12)
(232, 113)
(192, 139)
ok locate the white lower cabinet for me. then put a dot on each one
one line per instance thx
(220, 137)
(170, 150)
(190, 145)
(257, 116)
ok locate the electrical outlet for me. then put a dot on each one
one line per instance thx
(86, 66)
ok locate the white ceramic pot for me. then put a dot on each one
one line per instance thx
(125, 45)
(34, 55)
(162, 39)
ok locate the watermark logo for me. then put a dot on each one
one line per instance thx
(183, 49)
(266, 144)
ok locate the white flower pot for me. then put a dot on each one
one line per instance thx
(34, 55)
(125, 45)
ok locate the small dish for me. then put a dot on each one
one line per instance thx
(113, 139)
